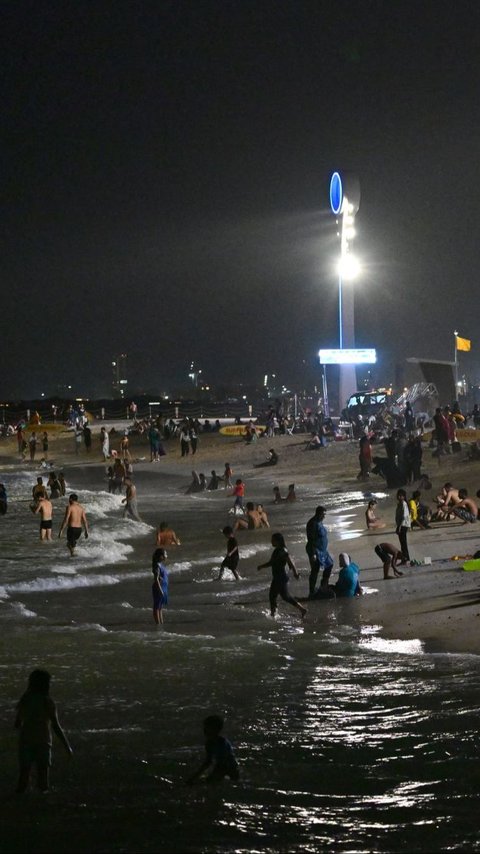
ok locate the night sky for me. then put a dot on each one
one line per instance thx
(165, 186)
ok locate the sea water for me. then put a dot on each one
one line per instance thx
(346, 741)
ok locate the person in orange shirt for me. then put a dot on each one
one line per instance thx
(239, 493)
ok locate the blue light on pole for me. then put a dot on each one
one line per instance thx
(336, 193)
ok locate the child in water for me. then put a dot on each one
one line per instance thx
(160, 584)
(220, 758)
(230, 561)
(227, 476)
(239, 493)
(36, 717)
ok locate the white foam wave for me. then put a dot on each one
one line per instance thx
(22, 610)
(181, 566)
(60, 583)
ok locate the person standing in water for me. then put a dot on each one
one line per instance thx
(130, 501)
(230, 561)
(45, 508)
(279, 560)
(3, 500)
(74, 520)
(36, 717)
(160, 584)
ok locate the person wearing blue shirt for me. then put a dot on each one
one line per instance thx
(317, 550)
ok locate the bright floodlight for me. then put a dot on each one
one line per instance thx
(348, 267)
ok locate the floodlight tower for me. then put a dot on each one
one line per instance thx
(344, 202)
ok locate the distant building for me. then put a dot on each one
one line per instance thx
(119, 375)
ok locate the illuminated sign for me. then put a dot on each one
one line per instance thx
(336, 193)
(348, 357)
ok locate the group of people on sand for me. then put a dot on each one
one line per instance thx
(199, 481)
(450, 504)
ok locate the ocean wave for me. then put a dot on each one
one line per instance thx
(60, 583)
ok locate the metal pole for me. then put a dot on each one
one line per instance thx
(456, 362)
(340, 312)
(325, 392)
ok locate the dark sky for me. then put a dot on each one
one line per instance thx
(165, 185)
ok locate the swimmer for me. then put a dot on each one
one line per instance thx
(74, 520)
(166, 536)
(45, 508)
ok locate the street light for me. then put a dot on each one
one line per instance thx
(344, 202)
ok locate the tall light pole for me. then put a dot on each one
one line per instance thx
(344, 202)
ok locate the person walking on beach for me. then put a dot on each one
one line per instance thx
(317, 550)
(220, 759)
(130, 501)
(279, 560)
(230, 561)
(74, 520)
(402, 521)
(104, 444)
(227, 476)
(45, 508)
(36, 717)
(160, 584)
(185, 440)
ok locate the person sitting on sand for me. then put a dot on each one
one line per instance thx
(419, 513)
(166, 536)
(466, 509)
(214, 480)
(195, 485)
(253, 520)
(263, 516)
(373, 522)
(348, 584)
(446, 500)
(390, 557)
(314, 443)
(271, 460)
(291, 496)
(277, 496)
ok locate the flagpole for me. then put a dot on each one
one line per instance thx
(456, 364)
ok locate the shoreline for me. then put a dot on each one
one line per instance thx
(438, 604)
